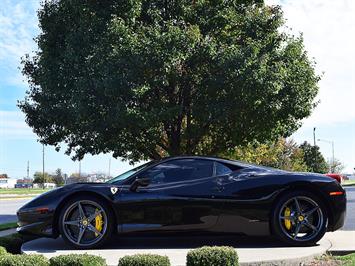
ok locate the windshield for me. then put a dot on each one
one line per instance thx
(129, 173)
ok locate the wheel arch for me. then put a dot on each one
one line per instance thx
(77, 194)
(303, 186)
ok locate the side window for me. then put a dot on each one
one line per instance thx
(222, 169)
(179, 170)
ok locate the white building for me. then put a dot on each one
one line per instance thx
(7, 183)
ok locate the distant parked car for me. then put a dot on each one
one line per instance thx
(24, 186)
(337, 177)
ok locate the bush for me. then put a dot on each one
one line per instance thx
(216, 256)
(23, 260)
(77, 260)
(144, 260)
(12, 243)
(3, 251)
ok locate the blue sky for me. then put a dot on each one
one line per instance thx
(327, 29)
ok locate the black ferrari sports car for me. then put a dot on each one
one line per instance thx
(190, 194)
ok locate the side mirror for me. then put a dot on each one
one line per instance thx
(140, 182)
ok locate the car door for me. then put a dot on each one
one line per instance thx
(179, 197)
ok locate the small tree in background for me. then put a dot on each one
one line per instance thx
(313, 158)
(58, 177)
(283, 154)
(4, 176)
(40, 179)
(335, 166)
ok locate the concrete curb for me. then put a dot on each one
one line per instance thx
(262, 254)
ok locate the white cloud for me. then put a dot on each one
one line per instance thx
(18, 25)
(328, 30)
(13, 126)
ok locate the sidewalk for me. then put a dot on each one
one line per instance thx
(251, 251)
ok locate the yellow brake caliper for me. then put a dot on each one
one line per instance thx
(287, 221)
(98, 222)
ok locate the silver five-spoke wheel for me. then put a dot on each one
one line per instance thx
(301, 218)
(84, 223)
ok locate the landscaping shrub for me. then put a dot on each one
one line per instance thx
(12, 243)
(23, 260)
(77, 260)
(144, 260)
(3, 251)
(212, 256)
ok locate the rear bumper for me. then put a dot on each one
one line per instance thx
(337, 211)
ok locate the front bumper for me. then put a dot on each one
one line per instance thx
(31, 222)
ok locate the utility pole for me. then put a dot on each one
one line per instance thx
(314, 137)
(43, 160)
(314, 147)
(28, 169)
(43, 165)
(79, 169)
(109, 168)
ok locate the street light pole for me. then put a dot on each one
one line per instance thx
(333, 158)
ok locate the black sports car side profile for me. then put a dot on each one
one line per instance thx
(190, 194)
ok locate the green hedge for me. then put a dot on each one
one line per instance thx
(12, 243)
(23, 260)
(144, 260)
(212, 256)
(77, 260)
(3, 251)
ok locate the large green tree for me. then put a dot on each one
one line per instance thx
(147, 78)
(313, 158)
(283, 154)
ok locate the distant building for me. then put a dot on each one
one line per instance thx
(7, 183)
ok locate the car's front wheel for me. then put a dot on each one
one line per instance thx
(86, 222)
(299, 218)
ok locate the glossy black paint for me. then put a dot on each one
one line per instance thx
(239, 202)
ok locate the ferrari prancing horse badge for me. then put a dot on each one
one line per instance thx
(114, 190)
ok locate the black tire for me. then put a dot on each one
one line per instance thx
(98, 208)
(298, 228)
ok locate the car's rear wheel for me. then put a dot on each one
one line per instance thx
(86, 222)
(299, 219)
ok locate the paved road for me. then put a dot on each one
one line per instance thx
(8, 209)
(350, 211)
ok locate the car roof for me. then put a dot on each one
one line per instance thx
(213, 158)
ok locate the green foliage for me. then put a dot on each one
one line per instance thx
(283, 154)
(144, 260)
(216, 256)
(12, 243)
(23, 260)
(77, 260)
(3, 251)
(148, 78)
(58, 178)
(313, 158)
(40, 179)
(335, 166)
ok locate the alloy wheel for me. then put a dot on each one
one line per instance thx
(84, 223)
(301, 218)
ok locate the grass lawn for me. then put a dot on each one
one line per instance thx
(22, 191)
(328, 260)
(7, 226)
(348, 183)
